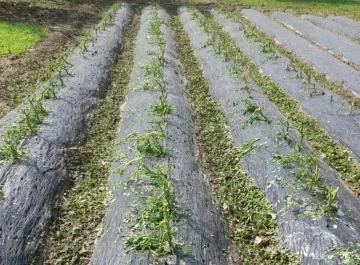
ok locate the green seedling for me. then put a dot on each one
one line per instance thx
(249, 34)
(258, 115)
(246, 88)
(12, 139)
(154, 67)
(1, 194)
(151, 230)
(29, 121)
(331, 195)
(352, 108)
(151, 144)
(342, 108)
(160, 109)
(266, 47)
(49, 91)
(250, 106)
(37, 109)
(302, 133)
(290, 67)
(309, 172)
(33, 116)
(285, 126)
(313, 91)
(314, 181)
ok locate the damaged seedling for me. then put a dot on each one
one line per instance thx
(311, 90)
(248, 147)
(257, 113)
(308, 171)
(151, 229)
(151, 224)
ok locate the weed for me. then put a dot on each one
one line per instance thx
(336, 155)
(90, 194)
(309, 172)
(243, 205)
(349, 254)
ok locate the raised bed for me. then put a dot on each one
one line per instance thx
(260, 140)
(199, 227)
(352, 31)
(346, 49)
(32, 183)
(321, 61)
(331, 110)
(345, 21)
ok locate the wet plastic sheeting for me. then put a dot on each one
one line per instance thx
(311, 238)
(31, 186)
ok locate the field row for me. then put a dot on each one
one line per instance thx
(227, 144)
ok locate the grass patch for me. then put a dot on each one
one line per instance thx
(244, 206)
(17, 38)
(349, 8)
(73, 234)
(334, 154)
